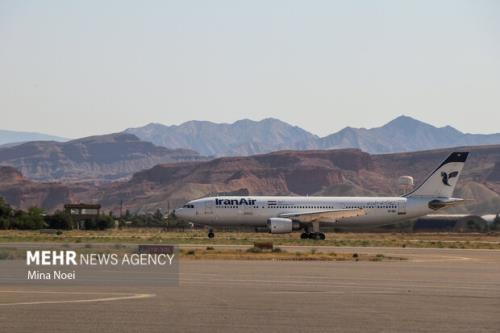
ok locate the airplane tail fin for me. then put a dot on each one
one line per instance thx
(442, 181)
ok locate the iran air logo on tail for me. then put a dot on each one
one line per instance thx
(447, 176)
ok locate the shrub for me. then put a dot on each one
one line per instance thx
(148, 220)
(255, 250)
(105, 222)
(90, 224)
(4, 223)
(60, 220)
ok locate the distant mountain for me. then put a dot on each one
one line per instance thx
(247, 137)
(404, 134)
(105, 157)
(244, 137)
(15, 137)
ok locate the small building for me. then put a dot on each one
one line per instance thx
(82, 213)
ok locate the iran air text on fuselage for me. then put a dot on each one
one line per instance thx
(235, 202)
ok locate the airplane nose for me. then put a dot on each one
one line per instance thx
(178, 213)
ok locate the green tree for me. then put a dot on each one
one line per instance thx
(32, 219)
(60, 220)
(37, 218)
(90, 224)
(496, 223)
(105, 222)
(158, 215)
(174, 222)
(5, 209)
(4, 223)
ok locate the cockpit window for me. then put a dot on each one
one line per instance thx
(188, 206)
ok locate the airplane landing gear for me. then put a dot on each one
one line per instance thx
(211, 233)
(313, 235)
(316, 235)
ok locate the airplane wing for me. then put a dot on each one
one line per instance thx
(325, 215)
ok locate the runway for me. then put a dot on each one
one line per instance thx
(437, 290)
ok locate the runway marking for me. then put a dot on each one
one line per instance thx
(123, 296)
(441, 258)
(403, 291)
(422, 285)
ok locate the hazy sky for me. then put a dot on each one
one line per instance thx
(75, 68)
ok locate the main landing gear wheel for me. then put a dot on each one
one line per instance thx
(317, 236)
(211, 234)
(313, 235)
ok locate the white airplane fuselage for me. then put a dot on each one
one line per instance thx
(286, 214)
(227, 211)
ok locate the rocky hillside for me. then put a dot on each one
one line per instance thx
(23, 193)
(106, 157)
(246, 137)
(328, 172)
(347, 172)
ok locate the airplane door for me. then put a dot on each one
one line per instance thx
(402, 208)
(209, 208)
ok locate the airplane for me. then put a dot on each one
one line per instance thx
(285, 214)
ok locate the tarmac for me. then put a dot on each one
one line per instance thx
(435, 290)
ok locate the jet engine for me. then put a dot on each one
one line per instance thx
(279, 225)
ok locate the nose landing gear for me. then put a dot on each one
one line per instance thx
(211, 233)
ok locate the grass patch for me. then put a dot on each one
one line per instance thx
(255, 250)
(4, 255)
(157, 236)
(280, 255)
